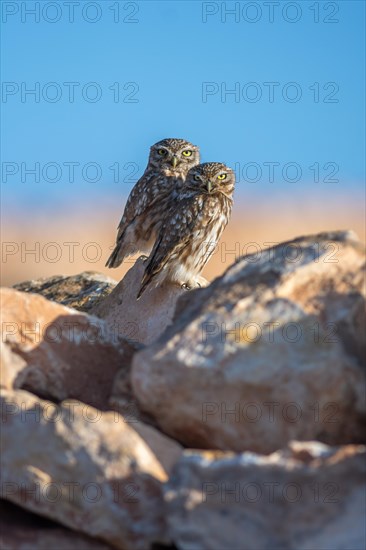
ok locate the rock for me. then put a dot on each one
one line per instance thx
(123, 400)
(21, 530)
(58, 353)
(86, 469)
(269, 352)
(81, 292)
(166, 450)
(142, 320)
(308, 496)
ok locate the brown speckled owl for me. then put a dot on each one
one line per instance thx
(169, 162)
(192, 227)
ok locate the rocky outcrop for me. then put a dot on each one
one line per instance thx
(86, 469)
(269, 352)
(81, 292)
(142, 320)
(57, 352)
(307, 496)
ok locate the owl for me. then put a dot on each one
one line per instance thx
(191, 227)
(169, 162)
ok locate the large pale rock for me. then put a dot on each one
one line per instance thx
(309, 496)
(81, 292)
(57, 352)
(269, 352)
(86, 469)
(142, 320)
(22, 530)
(72, 355)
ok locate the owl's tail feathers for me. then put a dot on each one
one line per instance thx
(144, 284)
(124, 247)
(116, 258)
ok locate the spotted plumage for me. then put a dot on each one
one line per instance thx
(169, 162)
(192, 227)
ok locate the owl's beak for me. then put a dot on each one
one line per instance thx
(209, 186)
(174, 162)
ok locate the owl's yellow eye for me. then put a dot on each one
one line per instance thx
(162, 152)
(197, 178)
(222, 177)
(187, 153)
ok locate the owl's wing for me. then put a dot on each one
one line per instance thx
(175, 235)
(142, 196)
(146, 192)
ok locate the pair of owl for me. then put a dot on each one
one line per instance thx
(175, 213)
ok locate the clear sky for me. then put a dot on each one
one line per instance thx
(176, 61)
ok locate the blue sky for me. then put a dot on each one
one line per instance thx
(168, 54)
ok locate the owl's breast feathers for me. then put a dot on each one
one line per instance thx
(187, 237)
(210, 219)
